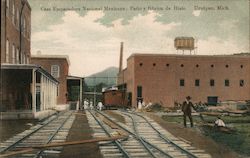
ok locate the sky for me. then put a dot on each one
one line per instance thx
(90, 31)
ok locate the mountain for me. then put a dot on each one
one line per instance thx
(107, 76)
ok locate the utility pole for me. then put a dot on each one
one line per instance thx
(20, 29)
(94, 101)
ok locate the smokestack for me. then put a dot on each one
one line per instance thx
(121, 57)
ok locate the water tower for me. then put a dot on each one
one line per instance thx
(184, 43)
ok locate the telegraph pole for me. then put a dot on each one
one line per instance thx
(20, 29)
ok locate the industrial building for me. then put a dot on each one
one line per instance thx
(26, 91)
(168, 78)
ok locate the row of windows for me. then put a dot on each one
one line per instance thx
(12, 54)
(212, 82)
(197, 65)
(14, 14)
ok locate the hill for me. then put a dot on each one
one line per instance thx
(107, 76)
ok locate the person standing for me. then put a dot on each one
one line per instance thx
(187, 110)
(100, 105)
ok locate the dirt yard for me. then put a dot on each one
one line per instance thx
(9, 128)
(198, 140)
(80, 130)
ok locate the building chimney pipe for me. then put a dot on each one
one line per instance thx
(121, 57)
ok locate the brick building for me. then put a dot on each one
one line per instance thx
(58, 67)
(166, 79)
(15, 20)
(26, 90)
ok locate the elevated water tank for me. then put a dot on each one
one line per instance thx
(184, 43)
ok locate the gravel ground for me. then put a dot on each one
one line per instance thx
(80, 130)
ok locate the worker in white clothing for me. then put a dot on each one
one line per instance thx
(139, 105)
(86, 104)
(219, 123)
(91, 105)
(100, 105)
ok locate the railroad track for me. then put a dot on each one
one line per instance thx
(146, 138)
(53, 130)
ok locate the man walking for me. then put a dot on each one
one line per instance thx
(186, 109)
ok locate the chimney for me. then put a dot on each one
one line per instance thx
(121, 57)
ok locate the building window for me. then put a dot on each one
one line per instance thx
(154, 64)
(13, 12)
(55, 70)
(227, 66)
(182, 65)
(167, 65)
(17, 18)
(7, 51)
(227, 83)
(212, 82)
(13, 54)
(212, 65)
(24, 58)
(197, 83)
(197, 65)
(241, 83)
(241, 66)
(141, 64)
(57, 91)
(27, 59)
(24, 26)
(139, 91)
(17, 55)
(21, 57)
(7, 7)
(182, 82)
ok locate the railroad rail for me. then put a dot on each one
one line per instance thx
(152, 132)
(146, 138)
(52, 130)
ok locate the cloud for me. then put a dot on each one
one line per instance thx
(196, 13)
(228, 25)
(215, 46)
(92, 46)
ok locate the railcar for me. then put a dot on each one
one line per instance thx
(115, 99)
